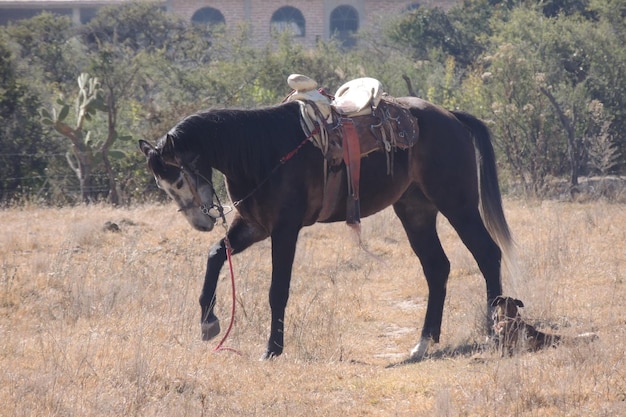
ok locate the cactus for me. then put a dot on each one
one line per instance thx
(84, 152)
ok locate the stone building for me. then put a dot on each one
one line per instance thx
(308, 20)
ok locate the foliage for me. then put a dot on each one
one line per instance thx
(22, 160)
(532, 70)
(428, 29)
(604, 155)
(565, 49)
(46, 50)
(524, 131)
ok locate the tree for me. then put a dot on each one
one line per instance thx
(426, 29)
(118, 78)
(461, 33)
(525, 131)
(46, 51)
(568, 61)
(532, 73)
(43, 60)
(118, 41)
(604, 155)
(19, 133)
(606, 80)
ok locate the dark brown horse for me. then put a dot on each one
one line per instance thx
(451, 169)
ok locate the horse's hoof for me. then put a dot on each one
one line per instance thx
(269, 355)
(420, 350)
(210, 329)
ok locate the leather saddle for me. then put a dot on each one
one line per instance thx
(359, 119)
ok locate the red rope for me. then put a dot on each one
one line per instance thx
(220, 346)
(293, 152)
(282, 161)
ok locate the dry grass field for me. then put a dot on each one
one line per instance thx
(99, 323)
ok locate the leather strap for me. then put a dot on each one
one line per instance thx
(352, 159)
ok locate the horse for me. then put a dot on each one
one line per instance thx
(276, 178)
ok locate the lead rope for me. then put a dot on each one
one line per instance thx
(282, 161)
(220, 346)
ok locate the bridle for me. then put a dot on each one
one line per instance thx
(214, 209)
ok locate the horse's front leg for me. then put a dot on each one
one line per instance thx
(240, 235)
(209, 323)
(283, 252)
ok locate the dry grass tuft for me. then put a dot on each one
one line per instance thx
(99, 323)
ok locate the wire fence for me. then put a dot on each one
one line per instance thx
(48, 178)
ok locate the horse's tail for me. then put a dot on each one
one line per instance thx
(489, 188)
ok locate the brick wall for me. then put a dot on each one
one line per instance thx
(258, 13)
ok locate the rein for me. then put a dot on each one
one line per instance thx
(281, 162)
(216, 210)
(229, 250)
(220, 346)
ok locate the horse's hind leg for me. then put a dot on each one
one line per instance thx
(419, 219)
(471, 229)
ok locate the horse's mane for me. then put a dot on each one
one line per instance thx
(248, 140)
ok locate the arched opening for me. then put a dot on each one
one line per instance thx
(208, 16)
(288, 19)
(344, 23)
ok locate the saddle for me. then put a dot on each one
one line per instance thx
(358, 120)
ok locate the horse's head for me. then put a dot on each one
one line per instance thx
(193, 192)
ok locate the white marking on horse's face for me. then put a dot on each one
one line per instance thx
(180, 191)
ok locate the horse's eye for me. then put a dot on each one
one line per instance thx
(179, 184)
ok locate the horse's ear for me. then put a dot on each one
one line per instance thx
(145, 147)
(519, 303)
